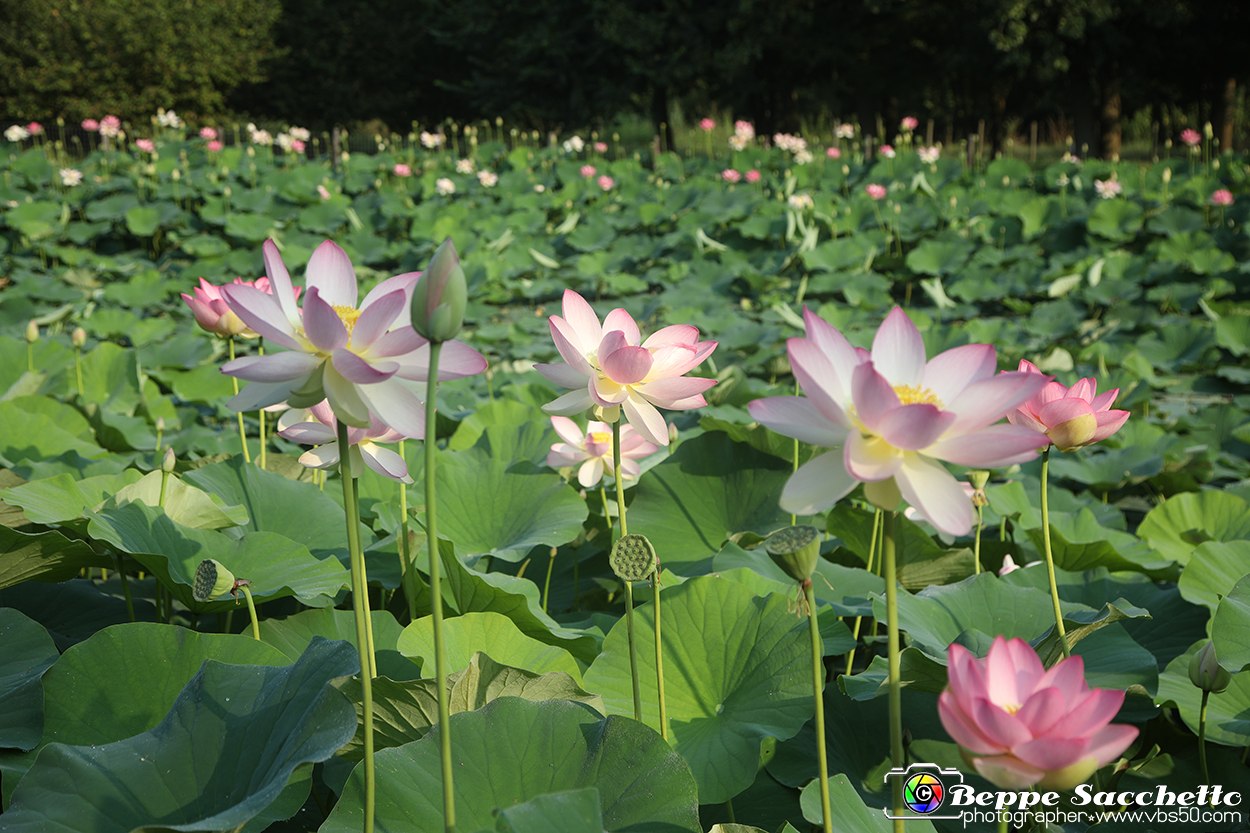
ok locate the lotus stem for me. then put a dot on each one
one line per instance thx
(410, 579)
(261, 415)
(160, 501)
(78, 367)
(818, 681)
(551, 563)
(1050, 559)
(891, 543)
(234, 382)
(1202, 738)
(659, 654)
(436, 594)
(362, 639)
(364, 587)
(130, 604)
(976, 547)
(251, 608)
(872, 551)
(629, 586)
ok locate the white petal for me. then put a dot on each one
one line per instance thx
(817, 485)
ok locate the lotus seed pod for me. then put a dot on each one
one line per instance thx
(79, 337)
(633, 558)
(795, 549)
(212, 581)
(1205, 671)
(32, 331)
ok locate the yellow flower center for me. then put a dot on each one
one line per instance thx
(916, 395)
(348, 316)
(600, 437)
(1011, 708)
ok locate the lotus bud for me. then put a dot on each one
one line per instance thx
(1208, 130)
(796, 550)
(439, 297)
(633, 558)
(212, 581)
(79, 337)
(160, 424)
(1167, 175)
(1205, 671)
(168, 461)
(32, 331)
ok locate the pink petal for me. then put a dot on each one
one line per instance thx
(458, 361)
(1108, 423)
(824, 382)
(397, 342)
(261, 312)
(280, 283)
(989, 400)
(590, 473)
(839, 352)
(275, 367)
(798, 417)
(322, 324)
(870, 458)
(990, 447)
(948, 373)
(385, 462)
(818, 484)
(625, 365)
(1061, 410)
(582, 321)
(563, 454)
(930, 488)
(1103, 400)
(962, 729)
(1050, 392)
(321, 457)
(1000, 673)
(1007, 772)
(1051, 753)
(966, 676)
(873, 396)
(358, 371)
(646, 420)
(406, 282)
(621, 321)
(1043, 710)
(330, 272)
(309, 433)
(1109, 743)
(376, 318)
(898, 350)
(345, 399)
(563, 375)
(630, 470)
(1084, 389)
(676, 334)
(398, 407)
(663, 391)
(914, 427)
(574, 402)
(571, 346)
(1027, 664)
(998, 725)
(568, 430)
(1095, 711)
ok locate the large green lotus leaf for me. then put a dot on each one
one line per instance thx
(184, 503)
(1230, 628)
(571, 811)
(275, 565)
(111, 379)
(1078, 542)
(1104, 469)
(72, 611)
(493, 633)
(36, 436)
(1228, 714)
(486, 680)
(211, 764)
(938, 257)
(508, 430)
(512, 751)
(1117, 220)
(43, 556)
(737, 670)
(917, 670)
(709, 489)
(921, 562)
(62, 498)
(490, 506)
(850, 812)
(292, 635)
(28, 652)
(1213, 569)
(1182, 522)
(764, 806)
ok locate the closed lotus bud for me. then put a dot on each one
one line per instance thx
(439, 298)
(633, 558)
(167, 462)
(1167, 174)
(796, 550)
(1205, 671)
(32, 331)
(79, 337)
(160, 424)
(212, 581)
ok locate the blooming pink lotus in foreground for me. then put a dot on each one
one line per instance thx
(213, 313)
(613, 367)
(364, 359)
(1069, 417)
(323, 433)
(1020, 725)
(890, 416)
(593, 450)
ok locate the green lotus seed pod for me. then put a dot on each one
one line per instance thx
(212, 581)
(795, 549)
(633, 558)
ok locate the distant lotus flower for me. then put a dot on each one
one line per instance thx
(489, 179)
(887, 151)
(737, 142)
(606, 182)
(213, 313)
(145, 145)
(802, 156)
(1069, 417)
(1191, 137)
(300, 134)
(168, 118)
(90, 125)
(215, 146)
(364, 359)
(707, 124)
(208, 133)
(431, 141)
(929, 155)
(877, 192)
(110, 126)
(588, 171)
(753, 176)
(799, 202)
(297, 145)
(539, 188)
(1107, 188)
(601, 147)
(261, 137)
(283, 140)
(1222, 197)
(610, 366)
(444, 186)
(71, 177)
(909, 123)
(593, 450)
(574, 145)
(34, 128)
(401, 169)
(730, 175)
(464, 166)
(1070, 157)
(1009, 565)
(1020, 725)
(832, 152)
(323, 433)
(890, 416)
(16, 133)
(744, 130)
(322, 192)
(785, 141)
(845, 130)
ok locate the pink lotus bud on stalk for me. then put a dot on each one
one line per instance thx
(877, 192)
(90, 125)
(753, 176)
(833, 153)
(706, 124)
(439, 298)
(1069, 417)
(79, 337)
(1205, 671)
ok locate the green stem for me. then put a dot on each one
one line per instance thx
(364, 588)
(616, 467)
(410, 579)
(976, 551)
(729, 811)
(130, 604)
(436, 594)
(78, 367)
(891, 540)
(251, 608)
(30, 357)
(362, 638)
(160, 501)
(1002, 822)
(234, 382)
(818, 685)
(1050, 559)
(872, 549)
(659, 654)
(1202, 737)
(551, 563)
(261, 415)
(633, 654)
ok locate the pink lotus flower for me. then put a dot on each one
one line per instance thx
(444, 186)
(744, 130)
(887, 151)
(1107, 188)
(215, 146)
(845, 130)
(753, 176)
(297, 145)
(365, 360)
(614, 368)
(1020, 725)
(909, 123)
(208, 133)
(34, 128)
(606, 182)
(401, 169)
(1069, 417)
(1191, 137)
(323, 192)
(145, 145)
(890, 416)
(833, 153)
(90, 125)
(588, 171)
(601, 147)
(295, 426)
(110, 126)
(929, 155)
(593, 450)
(213, 313)
(730, 175)
(1222, 197)
(877, 192)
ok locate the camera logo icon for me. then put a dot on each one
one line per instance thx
(925, 789)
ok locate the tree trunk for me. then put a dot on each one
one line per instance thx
(659, 114)
(1081, 103)
(1111, 113)
(1227, 115)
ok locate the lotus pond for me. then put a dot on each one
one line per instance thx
(130, 700)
